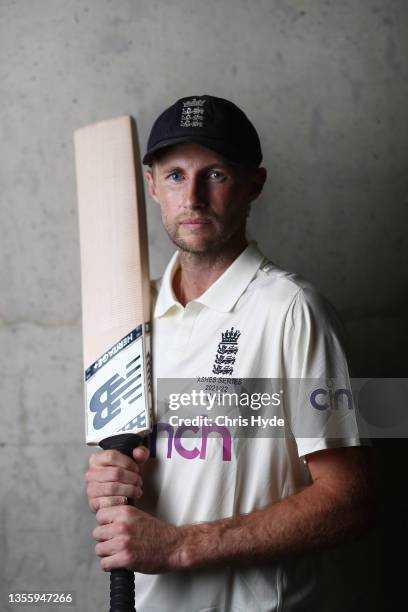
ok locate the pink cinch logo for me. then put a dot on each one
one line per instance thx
(175, 441)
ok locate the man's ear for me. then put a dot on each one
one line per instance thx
(151, 184)
(257, 182)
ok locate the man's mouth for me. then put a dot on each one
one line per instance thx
(195, 222)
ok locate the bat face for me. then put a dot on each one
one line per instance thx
(115, 280)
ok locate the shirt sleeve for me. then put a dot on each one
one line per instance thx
(318, 402)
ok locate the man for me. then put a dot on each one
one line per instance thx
(229, 523)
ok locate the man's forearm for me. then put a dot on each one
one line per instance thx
(314, 518)
(338, 505)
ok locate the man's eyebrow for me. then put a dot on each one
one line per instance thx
(175, 167)
(169, 168)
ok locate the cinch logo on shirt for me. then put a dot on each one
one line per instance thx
(175, 441)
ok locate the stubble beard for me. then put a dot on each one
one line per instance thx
(210, 246)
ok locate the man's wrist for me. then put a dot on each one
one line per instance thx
(181, 557)
(197, 546)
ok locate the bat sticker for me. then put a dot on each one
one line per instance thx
(115, 389)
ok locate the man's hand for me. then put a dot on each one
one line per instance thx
(131, 539)
(114, 479)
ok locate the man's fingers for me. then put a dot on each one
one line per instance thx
(113, 474)
(102, 533)
(113, 479)
(113, 545)
(97, 503)
(120, 560)
(113, 458)
(113, 489)
(120, 515)
(121, 530)
(141, 454)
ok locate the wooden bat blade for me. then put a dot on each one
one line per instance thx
(114, 279)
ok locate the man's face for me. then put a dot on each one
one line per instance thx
(204, 199)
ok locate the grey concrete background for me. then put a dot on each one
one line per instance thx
(325, 82)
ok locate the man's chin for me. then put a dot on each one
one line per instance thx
(197, 247)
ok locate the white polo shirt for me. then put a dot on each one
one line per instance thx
(256, 321)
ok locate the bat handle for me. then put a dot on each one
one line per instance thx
(122, 591)
(122, 582)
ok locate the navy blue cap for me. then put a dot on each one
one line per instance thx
(211, 122)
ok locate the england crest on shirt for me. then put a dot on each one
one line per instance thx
(226, 352)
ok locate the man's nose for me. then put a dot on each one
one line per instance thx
(195, 196)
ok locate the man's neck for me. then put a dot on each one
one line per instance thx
(197, 272)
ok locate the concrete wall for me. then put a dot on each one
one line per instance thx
(325, 82)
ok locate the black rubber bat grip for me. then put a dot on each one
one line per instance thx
(122, 582)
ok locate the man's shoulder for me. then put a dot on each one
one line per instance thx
(275, 282)
(292, 294)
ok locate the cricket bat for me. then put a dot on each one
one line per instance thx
(115, 286)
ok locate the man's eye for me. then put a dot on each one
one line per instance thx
(217, 175)
(175, 176)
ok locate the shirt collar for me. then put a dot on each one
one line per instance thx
(221, 295)
(166, 298)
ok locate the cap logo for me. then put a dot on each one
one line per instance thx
(192, 114)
